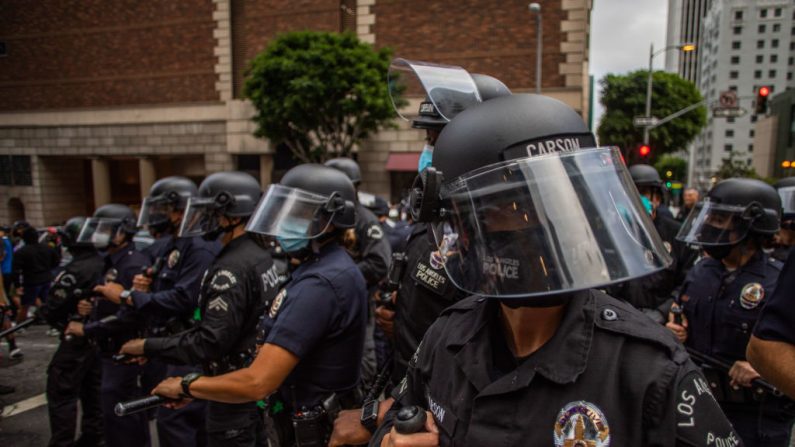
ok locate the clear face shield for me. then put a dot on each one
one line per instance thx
(292, 216)
(99, 231)
(787, 195)
(155, 212)
(449, 88)
(541, 225)
(712, 224)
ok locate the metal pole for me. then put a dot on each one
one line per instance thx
(648, 95)
(536, 9)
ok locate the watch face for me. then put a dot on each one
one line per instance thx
(370, 409)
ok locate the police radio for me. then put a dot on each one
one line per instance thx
(396, 270)
(424, 196)
(152, 271)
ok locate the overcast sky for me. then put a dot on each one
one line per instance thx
(621, 31)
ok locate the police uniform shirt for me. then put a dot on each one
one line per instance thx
(373, 254)
(82, 273)
(234, 292)
(777, 320)
(175, 289)
(157, 248)
(607, 377)
(722, 306)
(425, 290)
(320, 317)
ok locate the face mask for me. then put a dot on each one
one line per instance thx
(509, 263)
(646, 204)
(100, 240)
(294, 235)
(292, 245)
(719, 252)
(425, 157)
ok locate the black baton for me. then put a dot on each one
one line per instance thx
(410, 420)
(138, 405)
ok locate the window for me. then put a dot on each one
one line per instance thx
(774, 43)
(733, 75)
(789, 76)
(773, 58)
(730, 120)
(751, 133)
(777, 12)
(792, 31)
(738, 15)
(733, 88)
(759, 58)
(753, 118)
(790, 60)
(736, 45)
(738, 30)
(792, 45)
(771, 73)
(15, 170)
(762, 29)
(757, 74)
(727, 147)
(750, 149)
(729, 133)
(760, 43)
(735, 60)
(763, 13)
(776, 27)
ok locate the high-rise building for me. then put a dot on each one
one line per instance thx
(684, 26)
(744, 44)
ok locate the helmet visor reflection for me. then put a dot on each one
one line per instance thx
(290, 213)
(713, 224)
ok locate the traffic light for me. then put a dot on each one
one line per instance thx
(761, 99)
(644, 150)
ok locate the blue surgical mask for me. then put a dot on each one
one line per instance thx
(292, 245)
(293, 237)
(425, 157)
(646, 204)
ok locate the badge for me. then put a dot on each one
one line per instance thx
(375, 232)
(583, 424)
(437, 260)
(218, 304)
(277, 303)
(667, 246)
(111, 275)
(223, 280)
(173, 258)
(751, 295)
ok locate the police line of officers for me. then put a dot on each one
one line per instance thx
(253, 312)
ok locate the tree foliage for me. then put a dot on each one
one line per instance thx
(732, 167)
(319, 93)
(668, 162)
(624, 97)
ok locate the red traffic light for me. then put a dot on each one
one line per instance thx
(764, 91)
(644, 150)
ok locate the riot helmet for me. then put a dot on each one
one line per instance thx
(18, 227)
(302, 207)
(649, 184)
(522, 204)
(231, 194)
(107, 223)
(71, 231)
(786, 190)
(348, 166)
(733, 209)
(166, 196)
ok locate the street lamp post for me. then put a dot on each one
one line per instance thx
(536, 9)
(686, 47)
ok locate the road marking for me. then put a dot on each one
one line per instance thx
(25, 405)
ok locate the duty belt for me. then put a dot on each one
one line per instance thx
(229, 363)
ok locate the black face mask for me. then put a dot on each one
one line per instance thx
(720, 251)
(517, 269)
(216, 232)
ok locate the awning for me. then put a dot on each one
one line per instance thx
(403, 161)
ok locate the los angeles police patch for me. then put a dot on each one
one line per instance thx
(375, 232)
(277, 303)
(223, 280)
(751, 295)
(173, 258)
(581, 423)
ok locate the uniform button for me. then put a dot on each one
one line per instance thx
(609, 315)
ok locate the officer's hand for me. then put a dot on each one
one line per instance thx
(385, 318)
(429, 438)
(141, 283)
(111, 291)
(742, 374)
(84, 308)
(348, 430)
(133, 347)
(679, 330)
(172, 389)
(75, 328)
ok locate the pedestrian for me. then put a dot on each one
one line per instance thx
(785, 239)
(530, 219)
(690, 198)
(32, 271)
(724, 294)
(237, 288)
(312, 335)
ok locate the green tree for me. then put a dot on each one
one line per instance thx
(677, 166)
(624, 97)
(319, 93)
(732, 167)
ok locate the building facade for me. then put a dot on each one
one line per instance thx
(684, 26)
(100, 98)
(774, 138)
(745, 44)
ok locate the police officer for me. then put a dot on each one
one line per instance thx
(235, 291)
(111, 230)
(653, 294)
(74, 373)
(529, 220)
(312, 334)
(785, 239)
(170, 298)
(724, 294)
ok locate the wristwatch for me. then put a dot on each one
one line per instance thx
(186, 381)
(369, 417)
(126, 298)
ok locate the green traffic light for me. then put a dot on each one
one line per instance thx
(667, 184)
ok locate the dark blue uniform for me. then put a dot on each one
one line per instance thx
(722, 307)
(320, 317)
(777, 321)
(119, 382)
(169, 308)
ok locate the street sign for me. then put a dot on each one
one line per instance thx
(644, 121)
(728, 113)
(728, 99)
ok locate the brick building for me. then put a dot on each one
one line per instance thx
(99, 98)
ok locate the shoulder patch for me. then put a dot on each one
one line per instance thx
(375, 232)
(223, 280)
(699, 419)
(218, 304)
(277, 303)
(66, 279)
